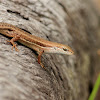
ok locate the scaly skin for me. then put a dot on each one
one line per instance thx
(38, 44)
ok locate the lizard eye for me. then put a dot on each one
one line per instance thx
(65, 49)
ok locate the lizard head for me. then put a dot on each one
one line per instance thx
(64, 49)
(60, 49)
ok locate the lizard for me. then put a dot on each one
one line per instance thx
(36, 43)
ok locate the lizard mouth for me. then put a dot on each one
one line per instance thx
(71, 52)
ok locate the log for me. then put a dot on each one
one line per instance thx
(73, 23)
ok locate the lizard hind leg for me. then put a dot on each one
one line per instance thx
(15, 38)
(14, 45)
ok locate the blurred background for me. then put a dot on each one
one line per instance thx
(96, 5)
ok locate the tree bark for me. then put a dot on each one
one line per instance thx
(73, 23)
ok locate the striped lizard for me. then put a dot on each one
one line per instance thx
(36, 43)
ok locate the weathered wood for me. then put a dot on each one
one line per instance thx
(71, 22)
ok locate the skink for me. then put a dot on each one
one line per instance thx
(38, 44)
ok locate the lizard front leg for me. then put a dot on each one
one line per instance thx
(39, 58)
